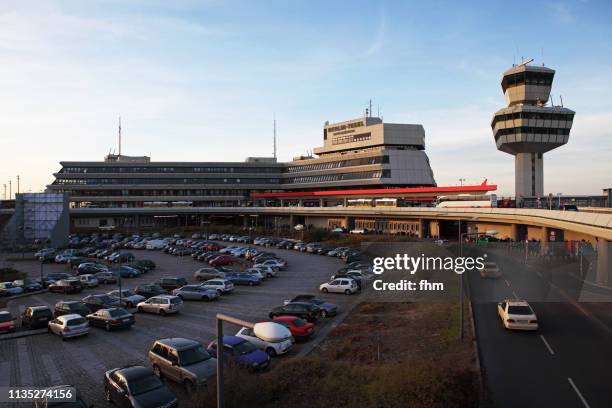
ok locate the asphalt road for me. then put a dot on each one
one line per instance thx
(566, 363)
(44, 359)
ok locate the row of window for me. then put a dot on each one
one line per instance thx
(161, 193)
(340, 177)
(533, 115)
(533, 130)
(85, 181)
(339, 164)
(351, 138)
(528, 78)
(114, 169)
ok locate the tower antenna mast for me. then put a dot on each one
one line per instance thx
(274, 135)
(119, 135)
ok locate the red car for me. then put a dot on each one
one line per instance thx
(214, 247)
(221, 260)
(300, 329)
(7, 322)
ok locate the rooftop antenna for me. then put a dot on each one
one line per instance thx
(552, 102)
(275, 135)
(561, 97)
(119, 135)
(370, 107)
(378, 110)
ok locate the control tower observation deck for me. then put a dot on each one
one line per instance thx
(528, 127)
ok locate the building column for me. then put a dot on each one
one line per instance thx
(300, 203)
(344, 200)
(421, 230)
(514, 232)
(434, 229)
(544, 241)
(320, 202)
(604, 270)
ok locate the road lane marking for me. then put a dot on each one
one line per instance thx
(586, 404)
(515, 295)
(547, 345)
(507, 283)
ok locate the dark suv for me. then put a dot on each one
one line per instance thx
(171, 283)
(36, 317)
(150, 290)
(65, 307)
(307, 311)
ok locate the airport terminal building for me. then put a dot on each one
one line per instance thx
(359, 153)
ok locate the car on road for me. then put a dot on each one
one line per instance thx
(67, 326)
(239, 278)
(171, 283)
(490, 270)
(36, 317)
(89, 280)
(204, 274)
(517, 315)
(327, 309)
(300, 329)
(7, 322)
(195, 292)
(100, 301)
(279, 344)
(184, 361)
(137, 386)
(112, 318)
(10, 289)
(106, 277)
(66, 307)
(347, 286)
(242, 352)
(162, 304)
(150, 290)
(307, 311)
(220, 285)
(128, 297)
(221, 260)
(66, 286)
(28, 285)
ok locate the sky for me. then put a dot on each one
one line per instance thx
(203, 80)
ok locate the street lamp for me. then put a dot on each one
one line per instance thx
(462, 236)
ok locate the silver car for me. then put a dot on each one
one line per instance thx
(195, 292)
(128, 298)
(220, 285)
(70, 325)
(182, 360)
(162, 304)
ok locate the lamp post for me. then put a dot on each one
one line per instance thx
(461, 237)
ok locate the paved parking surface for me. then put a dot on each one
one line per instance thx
(46, 360)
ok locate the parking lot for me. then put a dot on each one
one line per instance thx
(45, 359)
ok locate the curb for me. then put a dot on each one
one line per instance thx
(22, 333)
(26, 294)
(481, 382)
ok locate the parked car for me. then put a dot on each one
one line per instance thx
(47, 402)
(307, 311)
(67, 326)
(89, 281)
(7, 322)
(150, 290)
(242, 352)
(221, 260)
(106, 277)
(300, 329)
(327, 309)
(65, 307)
(273, 262)
(28, 285)
(265, 271)
(91, 268)
(36, 317)
(137, 386)
(54, 277)
(347, 286)
(260, 274)
(10, 289)
(66, 286)
(204, 274)
(126, 271)
(101, 301)
(128, 297)
(238, 278)
(195, 292)
(220, 285)
(274, 338)
(146, 263)
(517, 315)
(171, 283)
(162, 304)
(112, 318)
(184, 361)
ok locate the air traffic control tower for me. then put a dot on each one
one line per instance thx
(529, 127)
